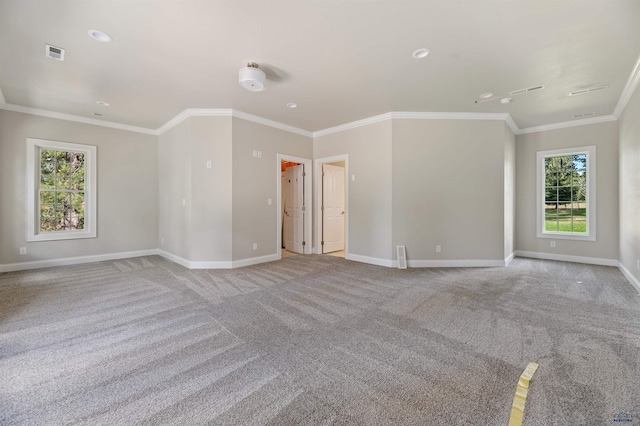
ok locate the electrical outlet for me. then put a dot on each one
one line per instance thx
(269, 201)
(162, 240)
(208, 164)
(638, 264)
(552, 243)
(184, 201)
(23, 250)
(438, 249)
(255, 246)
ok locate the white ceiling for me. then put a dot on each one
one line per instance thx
(339, 60)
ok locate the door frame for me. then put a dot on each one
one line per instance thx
(308, 209)
(317, 247)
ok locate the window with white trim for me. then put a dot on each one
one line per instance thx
(566, 193)
(61, 184)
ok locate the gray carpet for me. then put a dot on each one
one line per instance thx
(316, 340)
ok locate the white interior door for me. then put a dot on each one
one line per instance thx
(287, 220)
(294, 209)
(333, 208)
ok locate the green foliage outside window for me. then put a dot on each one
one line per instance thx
(62, 190)
(566, 193)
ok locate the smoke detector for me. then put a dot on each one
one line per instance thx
(54, 52)
(252, 78)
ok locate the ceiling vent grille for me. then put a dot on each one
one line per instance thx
(589, 90)
(54, 52)
(527, 89)
(585, 115)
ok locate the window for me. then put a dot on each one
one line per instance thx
(61, 181)
(566, 193)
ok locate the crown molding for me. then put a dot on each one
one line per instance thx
(228, 112)
(76, 118)
(565, 124)
(193, 112)
(275, 124)
(629, 88)
(408, 115)
(352, 125)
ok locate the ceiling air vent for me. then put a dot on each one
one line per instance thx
(590, 89)
(527, 89)
(585, 115)
(54, 52)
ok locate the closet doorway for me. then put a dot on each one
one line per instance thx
(294, 201)
(332, 201)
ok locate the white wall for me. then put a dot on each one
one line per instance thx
(369, 151)
(255, 180)
(127, 197)
(509, 192)
(629, 181)
(448, 189)
(605, 137)
(200, 230)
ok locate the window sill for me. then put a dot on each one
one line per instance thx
(61, 235)
(566, 236)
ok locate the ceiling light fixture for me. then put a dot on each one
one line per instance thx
(292, 105)
(486, 95)
(252, 78)
(505, 100)
(421, 53)
(100, 36)
(101, 103)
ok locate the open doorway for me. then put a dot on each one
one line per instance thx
(294, 206)
(332, 214)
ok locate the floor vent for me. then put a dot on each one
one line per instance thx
(402, 257)
(54, 52)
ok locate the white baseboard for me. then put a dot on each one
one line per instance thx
(629, 276)
(37, 264)
(370, 260)
(194, 264)
(567, 258)
(217, 265)
(254, 260)
(509, 258)
(454, 263)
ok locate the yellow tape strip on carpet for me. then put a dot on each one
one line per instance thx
(520, 398)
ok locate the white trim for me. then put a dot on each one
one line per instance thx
(271, 123)
(370, 260)
(76, 118)
(194, 264)
(22, 266)
(255, 260)
(408, 115)
(629, 276)
(318, 199)
(33, 180)
(565, 124)
(352, 125)
(508, 259)
(308, 202)
(193, 112)
(228, 112)
(567, 258)
(512, 124)
(454, 263)
(2, 100)
(590, 235)
(628, 90)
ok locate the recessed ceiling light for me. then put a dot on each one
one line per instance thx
(421, 53)
(100, 36)
(292, 105)
(505, 100)
(486, 95)
(101, 103)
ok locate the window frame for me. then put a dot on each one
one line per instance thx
(33, 191)
(590, 234)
